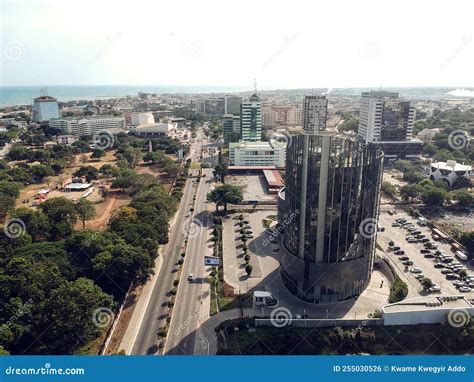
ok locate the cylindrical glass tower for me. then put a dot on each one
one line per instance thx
(333, 192)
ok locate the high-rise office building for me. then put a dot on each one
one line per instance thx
(230, 124)
(315, 112)
(251, 119)
(45, 108)
(387, 120)
(232, 104)
(211, 107)
(328, 213)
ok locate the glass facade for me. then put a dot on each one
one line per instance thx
(333, 184)
(45, 108)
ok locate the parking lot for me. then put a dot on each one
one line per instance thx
(424, 263)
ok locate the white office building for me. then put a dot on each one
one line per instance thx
(251, 119)
(385, 117)
(315, 112)
(257, 153)
(449, 171)
(142, 119)
(81, 127)
(154, 129)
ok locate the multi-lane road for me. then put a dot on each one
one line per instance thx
(185, 313)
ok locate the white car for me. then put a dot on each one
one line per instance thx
(416, 270)
(464, 289)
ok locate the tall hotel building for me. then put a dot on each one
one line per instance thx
(387, 121)
(315, 112)
(45, 108)
(251, 119)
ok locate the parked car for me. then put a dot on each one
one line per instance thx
(447, 260)
(404, 258)
(452, 276)
(439, 265)
(435, 289)
(424, 250)
(396, 225)
(445, 271)
(396, 248)
(407, 262)
(429, 255)
(399, 252)
(412, 240)
(416, 270)
(464, 289)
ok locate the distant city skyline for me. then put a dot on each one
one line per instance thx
(184, 43)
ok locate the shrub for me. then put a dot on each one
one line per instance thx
(248, 269)
(176, 282)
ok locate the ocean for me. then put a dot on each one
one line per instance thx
(24, 95)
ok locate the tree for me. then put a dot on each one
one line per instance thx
(221, 170)
(89, 172)
(434, 196)
(410, 192)
(464, 198)
(85, 210)
(249, 269)
(97, 154)
(76, 309)
(59, 210)
(104, 193)
(224, 195)
(389, 188)
(83, 159)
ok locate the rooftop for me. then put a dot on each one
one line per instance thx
(428, 303)
(451, 165)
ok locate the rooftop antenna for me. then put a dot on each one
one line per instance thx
(43, 92)
(255, 85)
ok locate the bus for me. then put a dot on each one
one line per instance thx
(461, 256)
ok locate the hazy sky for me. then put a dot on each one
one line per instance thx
(209, 42)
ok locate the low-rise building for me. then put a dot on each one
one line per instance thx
(89, 126)
(138, 119)
(66, 139)
(154, 129)
(427, 134)
(257, 153)
(428, 310)
(450, 171)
